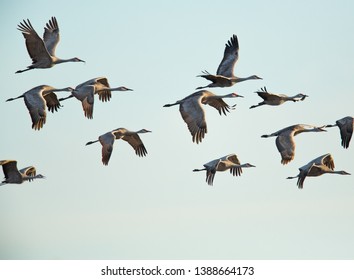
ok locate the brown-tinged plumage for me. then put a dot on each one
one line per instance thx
(224, 75)
(15, 176)
(285, 139)
(317, 167)
(132, 137)
(42, 52)
(192, 112)
(222, 164)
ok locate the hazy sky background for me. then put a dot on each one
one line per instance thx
(156, 207)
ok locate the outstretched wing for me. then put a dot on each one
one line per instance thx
(135, 141)
(52, 102)
(35, 45)
(228, 62)
(346, 130)
(51, 35)
(36, 106)
(328, 161)
(107, 141)
(265, 95)
(10, 169)
(104, 95)
(194, 116)
(29, 171)
(220, 105)
(302, 176)
(286, 147)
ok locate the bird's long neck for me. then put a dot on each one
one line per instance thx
(55, 89)
(61, 60)
(335, 172)
(238, 79)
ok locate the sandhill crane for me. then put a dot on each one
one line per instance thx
(193, 113)
(345, 126)
(132, 137)
(15, 176)
(317, 167)
(274, 99)
(42, 52)
(285, 139)
(224, 75)
(85, 93)
(36, 99)
(221, 164)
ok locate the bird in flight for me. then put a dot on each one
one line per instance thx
(36, 100)
(85, 92)
(42, 52)
(230, 162)
(132, 137)
(275, 99)
(285, 139)
(225, 73)
(15, 176)
(192, 112)
(345, 126)
(317, 167)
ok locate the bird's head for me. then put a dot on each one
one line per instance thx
(249, 165)
(320, 128)
(144, 130)
(302, 96)
(234, 94)
(69, 89)
(255, 77)
(344, 173)
(125, 89)
(76, 59)
(40, 176)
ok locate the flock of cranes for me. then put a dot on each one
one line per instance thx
(37, 99)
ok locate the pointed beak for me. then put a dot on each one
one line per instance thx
(322, 128)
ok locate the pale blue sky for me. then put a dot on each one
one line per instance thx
(156, 207)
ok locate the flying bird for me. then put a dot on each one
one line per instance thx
(85, 93)
(317, 167)
(36, 100)
(42, 52)
(132, 137)
(15, 176)
(285, 139)
(222, 164)
(193, 114)
(274, 99)
(224, 75)
(345, 126)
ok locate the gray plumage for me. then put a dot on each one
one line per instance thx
(230, 162)
(15, 176)
(192, 112)
(225, 73)
(285, 139)
(275, 99)
(42, 52)
(317, 167)
(85, 92)
(345, 126)
(37, 99)
(132, 137)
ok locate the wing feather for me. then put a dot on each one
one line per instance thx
(51, 35)
(230, 58)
